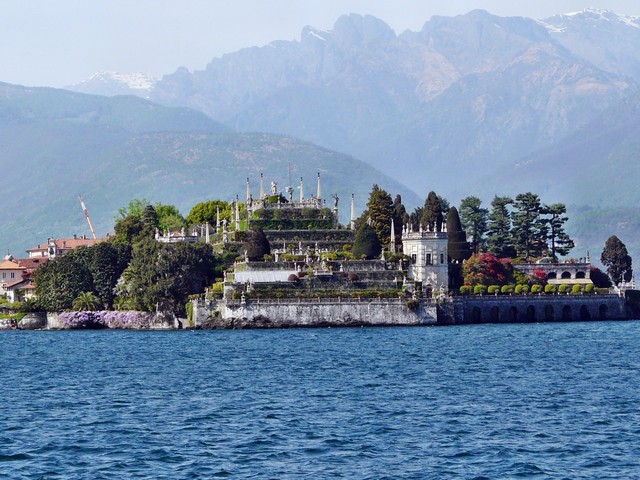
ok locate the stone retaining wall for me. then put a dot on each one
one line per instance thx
(313, 313)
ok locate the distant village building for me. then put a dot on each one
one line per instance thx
(10, 272)
(15, 277)
(59, 246)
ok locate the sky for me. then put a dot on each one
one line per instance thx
(62, 42)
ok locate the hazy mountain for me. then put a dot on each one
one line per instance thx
(463, 92)
(609, 41)
(58, 144)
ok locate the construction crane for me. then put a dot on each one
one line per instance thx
(86, 214)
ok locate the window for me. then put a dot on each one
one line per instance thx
(13, 275)
(429, 261)
(442, 258)
(4, 274)
(413, 259)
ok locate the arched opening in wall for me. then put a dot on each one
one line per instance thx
(549, 314)
(513, 314)
(531, 313)
(603, 312)
(476, 315)
(566, 275)
(566, 313)
(494, 314)
(584, 313)
(552, 276)
(581, 275)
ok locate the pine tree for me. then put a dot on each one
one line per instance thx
(432, 213)
(474, 220)
(617, 260)
(529, 231)
(560, 242)
(499, 240)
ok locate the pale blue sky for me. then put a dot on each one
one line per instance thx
(61, 42)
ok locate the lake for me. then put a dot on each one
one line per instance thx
(556, 400)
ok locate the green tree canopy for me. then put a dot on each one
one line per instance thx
(617, 260)
(432, 217)
(366, 243)
(206, 212)
(380, 208)
(60, 281)
(529, 230)
(499, 240)
(560, 242)
(400, 216)
(169, 217)
(256, 246)
(474, 220)
(164, 275)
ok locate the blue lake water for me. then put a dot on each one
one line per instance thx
(485, 401)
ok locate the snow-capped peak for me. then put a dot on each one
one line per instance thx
(134, 81)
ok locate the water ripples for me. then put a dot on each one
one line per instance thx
(488, 401)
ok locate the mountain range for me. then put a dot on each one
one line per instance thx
(452, 104)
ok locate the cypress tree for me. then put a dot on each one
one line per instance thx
(256, 245)
(432, 213)
(457, 244)
(366, 243)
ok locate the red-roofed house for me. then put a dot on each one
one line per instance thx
(59, 246)
(10, 272)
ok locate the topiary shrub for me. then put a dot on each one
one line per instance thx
(564, 288)
(576, 290)
(353, 277)
(549, 289)
(493, 289)
(466, 290)
(479, 290)
(536, 288)
(589, 288)
(507, 289)
(292, 278)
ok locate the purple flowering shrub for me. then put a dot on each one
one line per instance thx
(105, 319)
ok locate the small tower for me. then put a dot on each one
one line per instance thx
(217, 219)
(248, 190)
